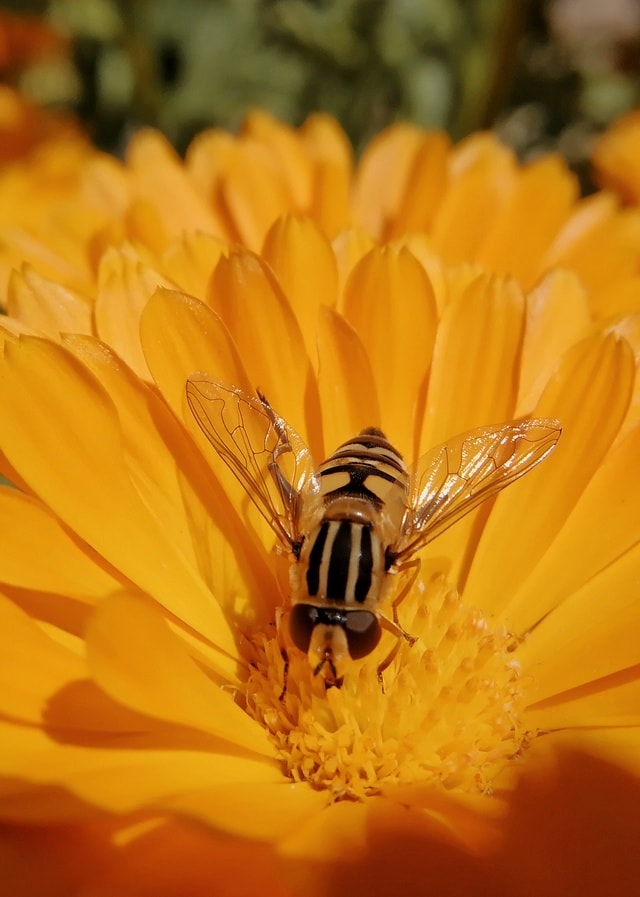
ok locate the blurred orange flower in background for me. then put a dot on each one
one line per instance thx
(428, 290)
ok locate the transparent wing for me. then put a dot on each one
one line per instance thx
(266, 455)
(455, 477)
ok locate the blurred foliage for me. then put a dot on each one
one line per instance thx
(546, 74)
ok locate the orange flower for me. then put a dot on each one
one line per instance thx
(141, 722)
(471, 203)
(616, 157)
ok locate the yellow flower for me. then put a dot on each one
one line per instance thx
(141, 675)
(470, 203)
(616, 160)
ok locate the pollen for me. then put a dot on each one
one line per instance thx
(447, 711)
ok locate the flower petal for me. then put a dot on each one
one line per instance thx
(304, 263)
(345, 380)
(482, 176)
(45, 781)
(382, 177)
(251, 303)
(125, 286)
(181, 335)
(33, 664)
(259, 811)
(596, 627)
(589, 395)
(557, 316)
(602, 526)
(66, 565)
(160, 177)
(46, 305)
(390, 304)
(45, 392)
(611, 701)
(191, 260)
(505, 249)
(332, 155)
(126, 639)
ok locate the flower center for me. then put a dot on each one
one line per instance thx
(448, 712)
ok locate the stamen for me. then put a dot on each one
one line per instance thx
(448, 715)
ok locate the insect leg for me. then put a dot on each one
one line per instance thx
(394, 625)
(280, 614)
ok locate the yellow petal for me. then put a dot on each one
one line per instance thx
(45, 780)
(382, 176)
(349, 248)
(505, 249)
(425, 185)
(46, 305)
(45, 392)
(251, 303)
(557, 316)
(152, 439)
(181, 335)
(254, 192)
(66, 565)
(332, 156)
(33, 666)
(611, 701)
(261, 812)
(304, 263)
(191, 260)
(589, 395)
(133, 655)
(287, 151)
(482, 176)
(125, 286)
(159, 176)
(615, 157)
(475, 358)
(599, 241)
(595, 627)
(602, 526)
(390, 304)
(345, 380)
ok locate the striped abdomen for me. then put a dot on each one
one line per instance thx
(364, 487)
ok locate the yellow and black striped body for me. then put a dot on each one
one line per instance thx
(341, 573)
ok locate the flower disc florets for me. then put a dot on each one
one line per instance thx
(446, 714)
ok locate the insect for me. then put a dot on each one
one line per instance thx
(355, 521)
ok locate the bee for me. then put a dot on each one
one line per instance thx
(355, 521)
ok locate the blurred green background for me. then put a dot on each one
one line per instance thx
(546, 75)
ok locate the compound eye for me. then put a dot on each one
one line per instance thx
(302, 620)
(363, 632)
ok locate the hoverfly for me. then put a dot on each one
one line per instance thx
(353, 522)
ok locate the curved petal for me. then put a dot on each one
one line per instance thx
(259, 811)
(181, 335)
(345, 380)
(45, 781)
(304, 263)
(66, 565)
(46, 305)
(390, 304)
(251, 303)
(45, 392)
(596, 627)
(589, 395)
(135, 657)
(557, 317)
(125, 285)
